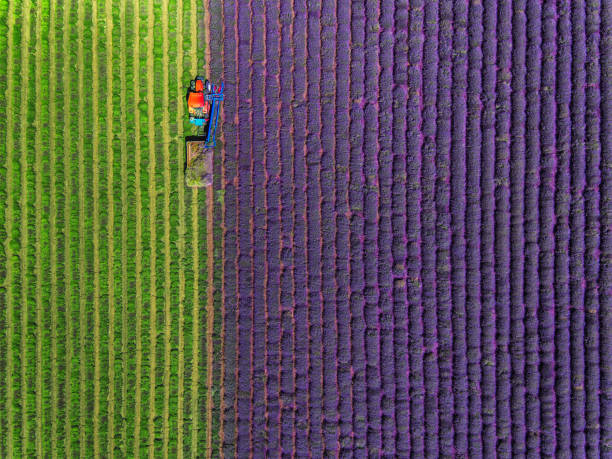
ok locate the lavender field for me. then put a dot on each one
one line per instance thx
(417, 246)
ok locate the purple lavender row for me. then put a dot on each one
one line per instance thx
(245, 237)
(259, 229)
(230, 237)
(502, 229)
(605, 275)
(273, 230)
(442, 229)
(592, 230)
(356, 203)
(531, 275)
(301, 349)
(472, 229)
(487, 285)
(562, 230)
(428, 236)
(313, 217)
(342, 149)
(457, 226)
(548, 166)
(399, 248)
(385, 182)
(329, 253)
(410, 178)
(370, 212)
(577, 222)
(287, 299)
(517, 230)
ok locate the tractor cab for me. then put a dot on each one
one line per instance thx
(203, 101)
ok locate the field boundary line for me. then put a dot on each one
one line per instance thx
(53, 227)
(96, 228)
(210, 307)
(181, 232)
(195, 368)
(10, 148)
(67, 245)
(167, 280)
(38, 220)
(135, 63)
(152, 228)
(111, 227)
(23, 252)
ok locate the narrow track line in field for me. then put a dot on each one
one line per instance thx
(23, 250)
(210, 307)
(181, 230)
(152, 228)
(111, 227)
(82, 264)
(136, 66)
(38, 245)
(195, 367)
(53, 227)
(10, 149)
(124, 230)
(96, 228)
(67, 245)
(167, 281)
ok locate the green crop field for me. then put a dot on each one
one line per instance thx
(103, 264)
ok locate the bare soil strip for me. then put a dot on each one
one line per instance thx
(181, 230)
(25, 40)
(210, 307)
(38, 219)
(124, 232)
(167, 281)
(96, 227)
(10, 149)
(152, 229)
(136, 65)
(111, 226)
(53, 228)
(67, 245)
(195, 365)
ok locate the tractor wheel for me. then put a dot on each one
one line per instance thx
(192, 85)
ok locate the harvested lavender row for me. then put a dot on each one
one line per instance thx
(415, 218)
